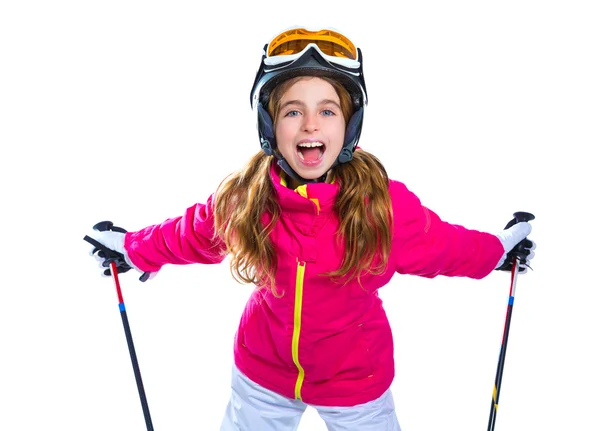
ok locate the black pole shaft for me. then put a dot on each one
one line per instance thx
(136, 369)
(132, 354)
(519, 216)
(499, 371)
(110, 257)
(502, 358)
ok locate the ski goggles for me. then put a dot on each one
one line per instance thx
(331, 44)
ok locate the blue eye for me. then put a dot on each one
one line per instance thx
(327, 113)
(292, 114)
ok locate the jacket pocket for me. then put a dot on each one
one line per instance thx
(343, 356)
(259, 339)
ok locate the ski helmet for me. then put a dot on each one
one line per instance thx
(301, 52)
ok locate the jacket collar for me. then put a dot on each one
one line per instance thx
(309, 199)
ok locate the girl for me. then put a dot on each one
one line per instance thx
(318, 227)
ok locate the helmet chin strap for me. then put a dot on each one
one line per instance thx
(285, 166)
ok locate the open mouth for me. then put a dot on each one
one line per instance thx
(310, 152)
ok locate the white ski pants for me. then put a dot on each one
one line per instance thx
(254, 408)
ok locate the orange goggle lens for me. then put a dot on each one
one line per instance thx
(329, 42)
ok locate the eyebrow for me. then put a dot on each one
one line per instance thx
(300, 103)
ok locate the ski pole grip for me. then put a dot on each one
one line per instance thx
(518, 252)
(103, 226)
(523, 216)
(519, 217)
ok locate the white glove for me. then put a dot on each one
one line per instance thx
(510, 238)
(114, 241)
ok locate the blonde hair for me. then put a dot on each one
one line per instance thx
(246, 211)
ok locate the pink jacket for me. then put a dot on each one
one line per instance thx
(326, 344)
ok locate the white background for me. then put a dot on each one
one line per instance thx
(131, 111)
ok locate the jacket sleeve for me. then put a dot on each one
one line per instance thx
(428, 246)
(181, 240)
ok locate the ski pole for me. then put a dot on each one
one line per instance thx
(103, 226)
(518, 258)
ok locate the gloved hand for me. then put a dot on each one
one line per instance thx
(109, 246)
(516, 244)
(113, 250)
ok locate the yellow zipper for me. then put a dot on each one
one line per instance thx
(297, 322)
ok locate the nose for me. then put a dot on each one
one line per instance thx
(311, 122)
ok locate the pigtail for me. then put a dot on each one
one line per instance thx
(243, 201)
(365, 210)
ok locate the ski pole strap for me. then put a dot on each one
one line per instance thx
(108, 255)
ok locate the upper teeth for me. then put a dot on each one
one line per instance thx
(310, 144)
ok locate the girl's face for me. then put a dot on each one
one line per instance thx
(310, 127)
